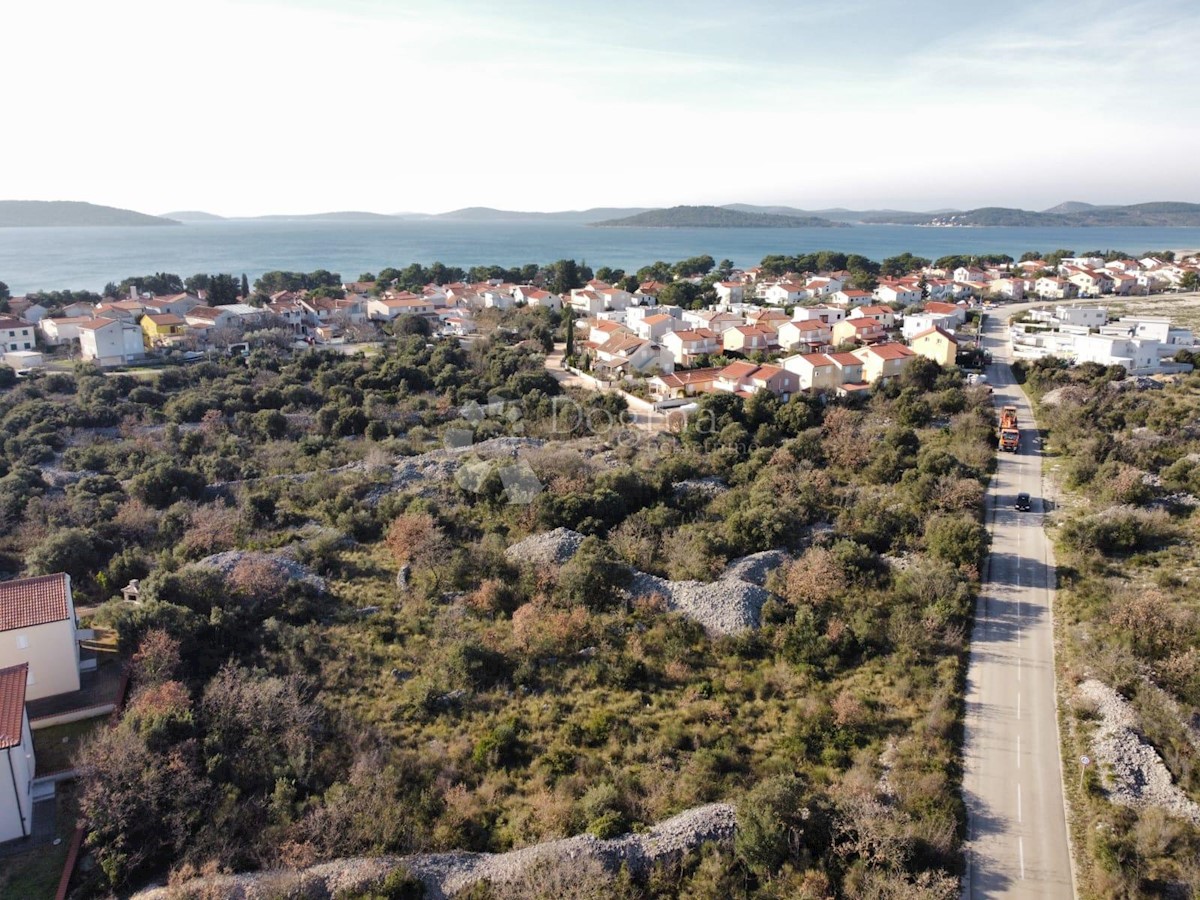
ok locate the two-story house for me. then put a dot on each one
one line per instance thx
(37, 627)
(16, 334)
(16, 750)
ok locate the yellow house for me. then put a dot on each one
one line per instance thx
(167, 328)
(883, 360)
(936, 344)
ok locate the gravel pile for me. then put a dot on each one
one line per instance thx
(1071, 394)
(756, 567)
(551, 548)
(226, 562)
(445, 875)
(711, 486)
(1134, 772)
(727, 606)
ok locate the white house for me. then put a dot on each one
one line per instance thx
(172, 304)
(688, 346)
(730, 291)
(1082, 316)
(37, 627)
(711, 319)
(885, 314)
(110, 342)
(828, 314)
(654, 327)
(915, 323)
(16, 743)
(897, 294)
(785, 292)
(1134, 354)
(383, 309)
(849, 297)
(56, 332)
(16, 334)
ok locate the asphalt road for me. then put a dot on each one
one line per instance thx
(1012, 777)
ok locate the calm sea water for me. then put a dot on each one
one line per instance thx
(86, 258)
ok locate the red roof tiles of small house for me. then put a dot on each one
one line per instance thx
(12, 704)
(739, 370)
(817, 360)
(768, 372)
(935, 307)
(657, 319)
(935, 330)
(96, 324)
(33, 601)
(864, 323)
(845, 359)
(698, 334)
(890, 351)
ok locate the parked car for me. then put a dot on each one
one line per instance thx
(1023, 502)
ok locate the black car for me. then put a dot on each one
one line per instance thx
(1023, 502)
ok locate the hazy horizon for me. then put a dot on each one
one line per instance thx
(268, 107)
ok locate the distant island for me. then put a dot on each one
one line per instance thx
(715, 217)
(70, 213)
(1072, 214)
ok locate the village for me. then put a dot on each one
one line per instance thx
(784, 333)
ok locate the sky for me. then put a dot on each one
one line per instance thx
(249, 107)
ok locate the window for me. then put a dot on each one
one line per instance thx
(22, 642)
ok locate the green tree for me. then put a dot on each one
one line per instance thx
(245, 287)
(569, 352)
(222, 290)
(563, 276)
(5, 296)
(1190, 281)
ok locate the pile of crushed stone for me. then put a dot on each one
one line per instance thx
(726, 606)
(546, 549)
(226, 562)
(446, 875)
(1134, 773)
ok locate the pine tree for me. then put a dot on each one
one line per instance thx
(245, 287)
(569, 351)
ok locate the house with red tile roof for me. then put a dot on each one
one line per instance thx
(864, 330)
(37, 627)
(814, 371)
(655, 327)
(883, 360)
(883, 313)
(806, 337)
(937, 344)
(688, 345)
(748, 339)
(16, 749)
(746, 379)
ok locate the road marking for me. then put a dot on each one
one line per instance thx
(1021, 848)
(1019, 819)
(1018, 751)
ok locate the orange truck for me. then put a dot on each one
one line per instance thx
(1008, 433)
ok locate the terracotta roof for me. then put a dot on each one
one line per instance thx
(14, 323)
(33, 601)
(12, 704)
(206, 312)
(816, 359)
(166, 319)
(935, 330)
(845, 359)
(889, 351)
(739, 370)
(96, 324)
(655, 319)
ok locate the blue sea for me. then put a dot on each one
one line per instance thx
(34, 259)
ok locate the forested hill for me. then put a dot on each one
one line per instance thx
(1066, 214)
(44, 213)
(715, 217)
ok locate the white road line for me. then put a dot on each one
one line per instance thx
(1021, 848)
(1020, 821)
